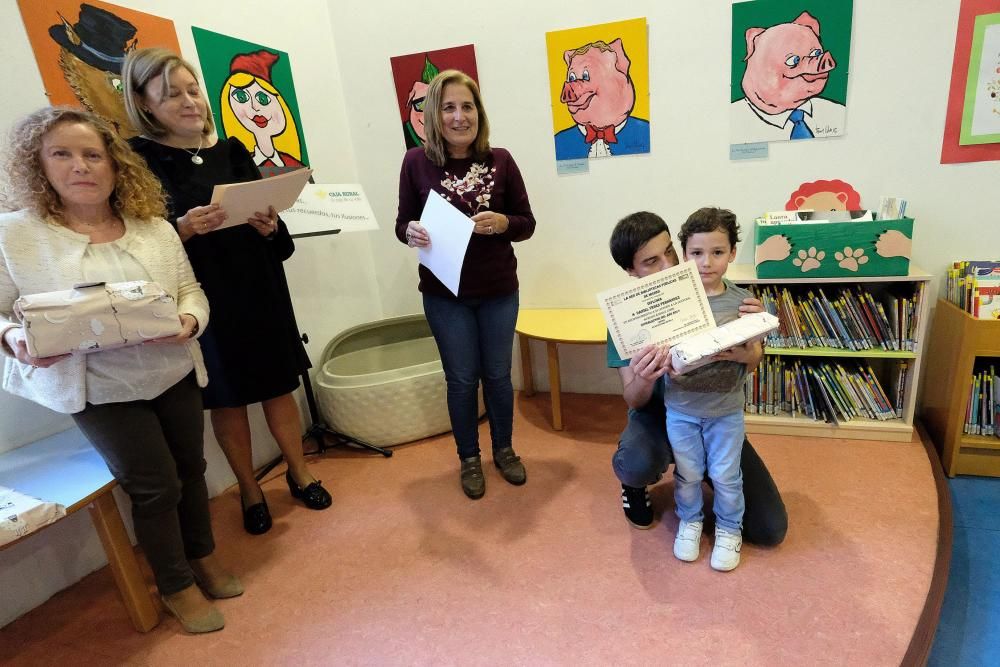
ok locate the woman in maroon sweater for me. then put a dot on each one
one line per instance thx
(474, 331)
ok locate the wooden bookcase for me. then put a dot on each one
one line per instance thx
(957, 338)
(899, 430)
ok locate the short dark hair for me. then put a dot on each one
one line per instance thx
(710, 219)
(631, 233)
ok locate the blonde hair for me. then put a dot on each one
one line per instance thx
(436, 147)
(286, 142)
(600, 45)
(137, 194)
(141, 66)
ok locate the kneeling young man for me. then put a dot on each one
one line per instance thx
(641, 245)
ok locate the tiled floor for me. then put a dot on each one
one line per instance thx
(969, 630)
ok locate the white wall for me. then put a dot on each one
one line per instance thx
(900, 71)
(332, 279)
(340, 50)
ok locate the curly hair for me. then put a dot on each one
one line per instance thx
(137, 194)
(837, 189)
(710, 219)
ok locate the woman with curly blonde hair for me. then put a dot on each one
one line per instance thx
(137, 194)
(89, 211)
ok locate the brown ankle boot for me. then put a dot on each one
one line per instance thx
(510, 466)
(473, 480)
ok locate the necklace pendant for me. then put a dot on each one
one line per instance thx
(196, 159)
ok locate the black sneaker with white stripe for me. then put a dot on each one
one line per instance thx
(638, 509)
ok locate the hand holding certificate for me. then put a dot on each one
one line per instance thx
(242, 200)
(661, 308)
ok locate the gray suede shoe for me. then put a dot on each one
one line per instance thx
(510, 466)
(473, 480)
(218, 585)
(196, 624)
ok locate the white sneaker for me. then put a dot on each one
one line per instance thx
(726, 552)
(688, 541)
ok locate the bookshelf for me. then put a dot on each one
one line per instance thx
(957, 339)
(899, 429)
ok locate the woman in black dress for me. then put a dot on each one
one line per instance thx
(252, 347)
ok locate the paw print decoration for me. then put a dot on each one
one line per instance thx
(809, 260)
(851, 259)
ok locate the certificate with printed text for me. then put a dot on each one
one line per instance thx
(665, 307)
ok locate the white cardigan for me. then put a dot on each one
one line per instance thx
(39, 256)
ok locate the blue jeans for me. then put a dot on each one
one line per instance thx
(475, 338)
(717, 441)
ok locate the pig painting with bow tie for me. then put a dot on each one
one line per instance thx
(787, 71)
(600, 96)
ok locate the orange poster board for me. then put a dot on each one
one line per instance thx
(80, 48)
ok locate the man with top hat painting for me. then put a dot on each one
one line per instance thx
(91, 56)
(254, 112)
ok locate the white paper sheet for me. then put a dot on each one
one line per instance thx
(450, 231)
(242, 200)
(665, 307)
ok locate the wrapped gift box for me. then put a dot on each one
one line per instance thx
(833, 249)
(697, 350)
(21, 515)
(94, 317)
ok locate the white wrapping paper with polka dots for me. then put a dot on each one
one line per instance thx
(697, 350)
(96, 316)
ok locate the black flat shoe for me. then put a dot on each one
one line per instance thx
(256, 518)
(314, 496)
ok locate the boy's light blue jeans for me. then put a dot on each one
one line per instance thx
(717, 442)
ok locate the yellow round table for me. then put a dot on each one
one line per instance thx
(579, 326)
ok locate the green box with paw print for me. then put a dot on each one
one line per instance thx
(833, 249)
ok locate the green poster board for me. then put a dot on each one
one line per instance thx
(834, 18)
(252, 96)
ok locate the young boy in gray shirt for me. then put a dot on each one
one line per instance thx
(705, 406)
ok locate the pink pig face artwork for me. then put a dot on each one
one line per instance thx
(787, 70)
(600, 96)
(786, 65)
(598, 91)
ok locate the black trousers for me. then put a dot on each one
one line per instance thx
(155, 449)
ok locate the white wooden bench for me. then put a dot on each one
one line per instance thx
(65, 469)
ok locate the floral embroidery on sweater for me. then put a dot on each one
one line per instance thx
(474, 189)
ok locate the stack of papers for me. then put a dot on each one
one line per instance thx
(242, 200)
(891, 208)
(22, 515)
